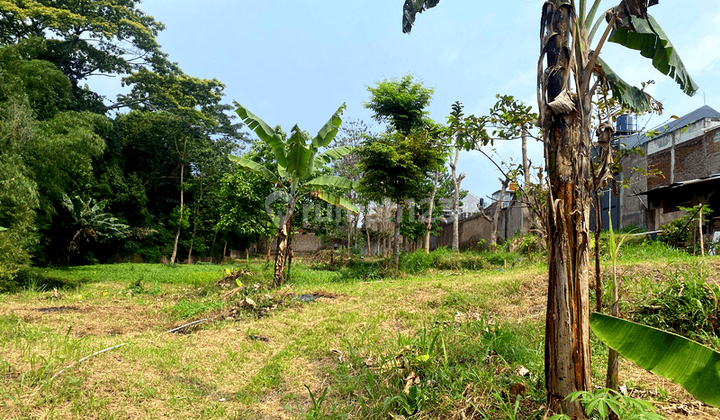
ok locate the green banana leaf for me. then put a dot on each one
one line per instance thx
(330, 181)
(3, 228)
(300, 160)
(337, 200)
(331, 154)
(630, 96)
(646, 36)
(256, 168)
(330, 129)
(687, 363)
(263, 131)
(413, 7)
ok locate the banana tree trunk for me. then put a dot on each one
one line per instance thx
(565, 119)
(281, 255)
(283, 243)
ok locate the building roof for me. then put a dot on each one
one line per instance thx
(682, 184)
(697, 115)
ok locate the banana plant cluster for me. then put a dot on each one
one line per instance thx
(298, 158)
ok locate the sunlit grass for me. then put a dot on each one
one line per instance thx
(463, 332)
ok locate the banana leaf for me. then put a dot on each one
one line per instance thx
(3, 228)
(263, 131)
(330, 181)
(337, 200)
(300, 160)
(687, 363)
(413, 7)
(646, 36)
(329, 130)
(630, 96)
(256, 168)
(331, 154)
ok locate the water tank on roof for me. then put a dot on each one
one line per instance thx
(625, 124)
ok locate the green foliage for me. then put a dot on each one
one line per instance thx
(601, 403)
(242, 198)
(400, 103)
(84, 40)
(39, 279)
(686, 304)
(679, 232)
(441, 259)
(18, 191)
(190, 308)
(440, 361)
(395, 166)
(502, 259)
(645, 35)
(685, 362)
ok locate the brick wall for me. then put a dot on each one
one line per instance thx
(660, 161)
(690, 160)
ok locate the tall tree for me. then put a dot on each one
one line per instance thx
(396, 165)
(296, 164)
(566, 83)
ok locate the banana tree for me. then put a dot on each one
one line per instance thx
(297, 160)
(569, 71)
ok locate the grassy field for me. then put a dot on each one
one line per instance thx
(459, 338)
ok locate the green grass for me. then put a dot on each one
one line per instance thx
(463, 332)
(192, 275)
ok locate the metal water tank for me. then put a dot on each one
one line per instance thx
(625, 124)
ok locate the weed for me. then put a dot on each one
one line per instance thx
(602, 402)
(190, 308)
(686, 304)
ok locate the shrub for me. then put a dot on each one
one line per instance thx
(503, 258)
(38, 279)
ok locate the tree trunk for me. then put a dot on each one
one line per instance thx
(182, 202)
(526, 162)
(565, 121)
(396, 235)
(456, 201)
(700, 232)
(281, 255)
(428, 227)
(369, 245)
(182, 199)
(496, 214)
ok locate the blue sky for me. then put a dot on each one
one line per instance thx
(294, 62)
